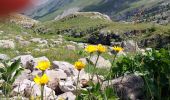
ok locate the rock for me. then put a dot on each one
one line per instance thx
(67, 67)
(39, 40)
(28, 88)
(7, 44)
(26, 74)
(24, 43)
(19, 38)
(71, 47)
(102, 63)
(130, 46)
(57, 42)
(67, 96)
(4, 57)
(26, 61)
(55, 77)
(67, 86)
(127, 87)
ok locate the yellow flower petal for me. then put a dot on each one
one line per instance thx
(37, 79)
(101, 48)
(117, 49)
(79, 65)
(41, 80)
(91, 49)
(43, 65)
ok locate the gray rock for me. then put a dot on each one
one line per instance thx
(24, 43)
(66, 67)
(67, 85)
(102, 63)
(55, 77)
(26, 74)
(7, 44)
(130, 46)
(19, 38)
(4, 57)
(39, 40)
(26, 61)
(127, 87)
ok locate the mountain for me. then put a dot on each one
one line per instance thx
(116, 9)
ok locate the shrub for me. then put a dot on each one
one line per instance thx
(154, 67)
(8, 74)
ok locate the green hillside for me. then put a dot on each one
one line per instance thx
(84, 28)
(116, 9)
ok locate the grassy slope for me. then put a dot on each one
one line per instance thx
(81, 23)
(84, 23)
(56, 53)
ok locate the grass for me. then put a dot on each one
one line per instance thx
(79, 24)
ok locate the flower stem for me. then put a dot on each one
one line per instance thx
(42, 88)
(111, 70)
(77, 84)
(95, 66)
(42, 92)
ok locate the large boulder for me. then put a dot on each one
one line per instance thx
(130, 46)
(7, 44)
(101, 63)
(128, 87)
(67, 67)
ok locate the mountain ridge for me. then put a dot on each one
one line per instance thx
(116, 9)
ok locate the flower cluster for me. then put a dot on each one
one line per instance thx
(41, 80)
(99, 48)
(42, 65)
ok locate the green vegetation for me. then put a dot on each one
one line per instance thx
(9, 72)
(154, 67)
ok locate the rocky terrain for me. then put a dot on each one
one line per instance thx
(62, 42)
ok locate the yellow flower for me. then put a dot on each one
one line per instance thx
(101, 48)
(79, 65)
(117, 49)
(43, 65)
(91, 49)
(41, 80)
